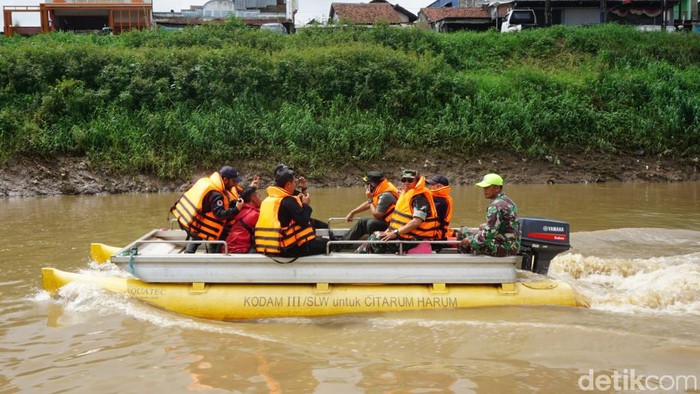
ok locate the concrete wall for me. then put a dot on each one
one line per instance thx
(580, 16)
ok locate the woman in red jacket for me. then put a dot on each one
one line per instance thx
(240, 237)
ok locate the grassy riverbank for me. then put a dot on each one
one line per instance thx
(169, 103)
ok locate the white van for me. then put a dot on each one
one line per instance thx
(518, 19)
(274, 27)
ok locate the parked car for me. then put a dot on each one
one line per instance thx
(518, 19)
(274, 27)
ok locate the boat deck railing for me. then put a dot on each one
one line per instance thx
(333, 243)
(329, 246)
(451, 246)
(400, 243)
(183, 242)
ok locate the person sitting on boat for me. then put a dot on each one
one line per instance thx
(439, 187)
(301, 185)
(240, 236)
(414, 217)
(284, 227)
(205, 209)
(381, 200)
(500, 235)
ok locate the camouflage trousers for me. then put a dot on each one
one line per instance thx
(380, 248)
(472, 243)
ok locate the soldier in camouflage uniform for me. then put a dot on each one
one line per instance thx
(500, 235)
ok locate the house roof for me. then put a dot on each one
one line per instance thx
(437, 14)
(411, 16)
(366, 14)
(165, 19)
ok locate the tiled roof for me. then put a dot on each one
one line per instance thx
(411, 16)
(365, 14)
(438, 14)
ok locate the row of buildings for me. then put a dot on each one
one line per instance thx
(116, 16)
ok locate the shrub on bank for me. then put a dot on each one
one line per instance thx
(167, 102)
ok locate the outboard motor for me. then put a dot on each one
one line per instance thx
(541, 240)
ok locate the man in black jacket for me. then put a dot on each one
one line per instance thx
(285, 226)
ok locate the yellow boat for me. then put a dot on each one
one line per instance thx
(226, 286)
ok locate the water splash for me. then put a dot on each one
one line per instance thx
(89, 299)
(635, 285)
(105, 269)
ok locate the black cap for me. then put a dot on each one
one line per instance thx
(441, 179)
(277, 168)
(374, 177)
(230, 173)
(283, 175)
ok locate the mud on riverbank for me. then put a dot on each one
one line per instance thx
(33, 177)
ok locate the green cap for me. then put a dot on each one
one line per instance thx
(373, 176)
(409, 174)
(491, 180)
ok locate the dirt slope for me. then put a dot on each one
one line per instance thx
(30, 177)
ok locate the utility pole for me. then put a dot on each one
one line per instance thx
(664, 22)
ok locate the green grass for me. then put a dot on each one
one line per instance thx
(167, 102)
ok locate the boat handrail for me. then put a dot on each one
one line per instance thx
(183, 242)
(341, 219)
(328, 245)
(379, 241)
(401, 243)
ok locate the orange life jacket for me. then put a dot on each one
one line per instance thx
(444, 229)
(189, 210)
(270, 236)
(385, 186)
(403, 213)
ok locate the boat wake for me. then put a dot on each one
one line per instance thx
(86, 299)
(635, 270)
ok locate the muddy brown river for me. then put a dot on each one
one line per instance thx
(636, 255)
